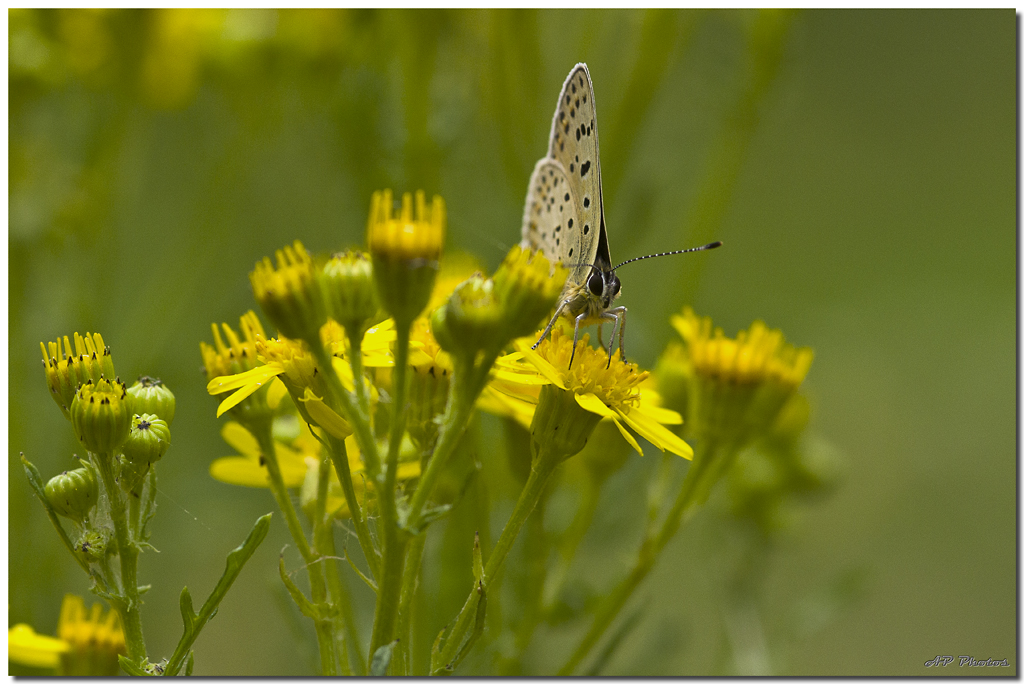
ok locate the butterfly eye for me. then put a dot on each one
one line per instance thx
(595, 283)
(613, 286)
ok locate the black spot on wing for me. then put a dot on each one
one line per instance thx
(584, 168)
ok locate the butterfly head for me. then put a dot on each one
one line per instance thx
(603, 285)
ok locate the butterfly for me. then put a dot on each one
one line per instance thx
(564, 215)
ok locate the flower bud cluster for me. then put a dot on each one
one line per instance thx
(486, 314)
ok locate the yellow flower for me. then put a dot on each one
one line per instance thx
(732, 389)
(456, 268)
(65, 370)
(248, 470)
(296, 459)
(87, 643)
(405, 250)
(239, 354)
(405, 237)
(607, 390)
(289, 294)
(295, 367)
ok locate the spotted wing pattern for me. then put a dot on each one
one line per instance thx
(551, 218)
(573, 143)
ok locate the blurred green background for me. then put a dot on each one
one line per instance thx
(859, 165)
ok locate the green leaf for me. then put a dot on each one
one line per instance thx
(189, 664)
(381, 659)
(194, 622)
(131, 668)
(478, 559)
(307, 608)
(35, 480)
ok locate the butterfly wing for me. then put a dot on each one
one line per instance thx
(573, 143)
(551, 219)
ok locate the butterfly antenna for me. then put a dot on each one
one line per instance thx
(710, 245)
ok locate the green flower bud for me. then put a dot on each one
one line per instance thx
(150, 395)
(73, 493)
(471, 320)
(100, 415)
(148, 439)
(348, 291)
(528, 287)
(93, 545)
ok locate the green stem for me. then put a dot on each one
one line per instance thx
(261, 431)
(324, 540)
(318, 590)
(128, 604)
(467, 383)
(690, 494)
(339, 454)
(358, 418)
(544, 464)
(410, 581)
(340, 598)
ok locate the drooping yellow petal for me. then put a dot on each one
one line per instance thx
(255, 376)
(656, 433)
(246, 472)
(591, 403)
(276, 393)
(542, 365)
(325, 416)
(240, 439)
(662, 415)
(625, 435)
(25, 647)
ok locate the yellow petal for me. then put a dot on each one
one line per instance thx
(541, 364)
(240, 439)
(246, 472)
(238, 470)
(591, 403)
(25, 647)
(325, 416)
(236, 399)
(625, 434)
(662, 415)
(254, 376)
(657, 434)
(276, 393)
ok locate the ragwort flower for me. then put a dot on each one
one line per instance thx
(604, 390)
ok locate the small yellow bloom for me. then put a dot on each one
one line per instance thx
(239, 354)
(608, 390)
(406, 237)
(87, 643)
(757, 355)
(248, 468)
(289, 294)
(405, 250)
(65, 370)
(732, 389)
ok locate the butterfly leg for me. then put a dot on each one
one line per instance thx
(600, 334)
(551, 323)
(576, 336)
(618, 314)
